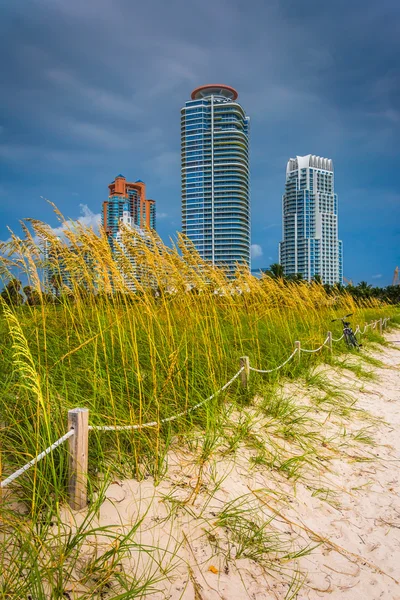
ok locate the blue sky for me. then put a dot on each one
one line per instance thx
(92, 88)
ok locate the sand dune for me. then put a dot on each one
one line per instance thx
(229, 527)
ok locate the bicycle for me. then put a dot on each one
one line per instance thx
(348, 333)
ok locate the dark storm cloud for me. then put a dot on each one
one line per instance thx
(92, 88)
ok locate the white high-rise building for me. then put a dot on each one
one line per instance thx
(136, 271)
(310, 245)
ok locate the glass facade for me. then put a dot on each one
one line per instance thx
(131, 197)
(310, 245)
(215, 176)
(58, 263)
(128, 206)
(124, 255)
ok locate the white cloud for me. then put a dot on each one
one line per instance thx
(162, 215)
(87, 218)
(256, 251)
(378, 276)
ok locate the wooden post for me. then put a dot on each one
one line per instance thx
(78, 420)
(380, 326)
(330, 340)
(298, 346)
(245, 374)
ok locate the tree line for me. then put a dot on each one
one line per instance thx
(12, 295)
(362, 290)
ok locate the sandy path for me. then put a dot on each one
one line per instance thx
(353, 505)
(368, 520)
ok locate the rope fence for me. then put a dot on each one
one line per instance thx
(316, 349)
(338, 339)
(168, 419)
(35, 460)
(276, 368)
(78, 423)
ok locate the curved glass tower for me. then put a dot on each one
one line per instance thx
(215, 176)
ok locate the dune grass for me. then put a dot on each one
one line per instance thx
(131, 358)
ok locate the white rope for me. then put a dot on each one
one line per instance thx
(168, 419)
(338, 339)
(36, 459)
(276, 368)
(70, 433)
(357, 329)
(316, 349)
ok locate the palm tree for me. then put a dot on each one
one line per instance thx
(11, 293)
(31, 295)
(296, 278)
(275, 271)
(364, 289)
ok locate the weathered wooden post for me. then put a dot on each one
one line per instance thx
(330, 341)
(380, 326)
(298, 346)
(245, 374)
(78, 420)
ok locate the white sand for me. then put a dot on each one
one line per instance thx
(350, 503)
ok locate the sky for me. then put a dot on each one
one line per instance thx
(93, 88)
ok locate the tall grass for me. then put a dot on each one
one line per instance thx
(137, 357)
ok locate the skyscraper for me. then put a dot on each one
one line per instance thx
(128, 206)
(60, 260)
(310, 243)
(122, 193)
(215, 176)
(137, 272)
